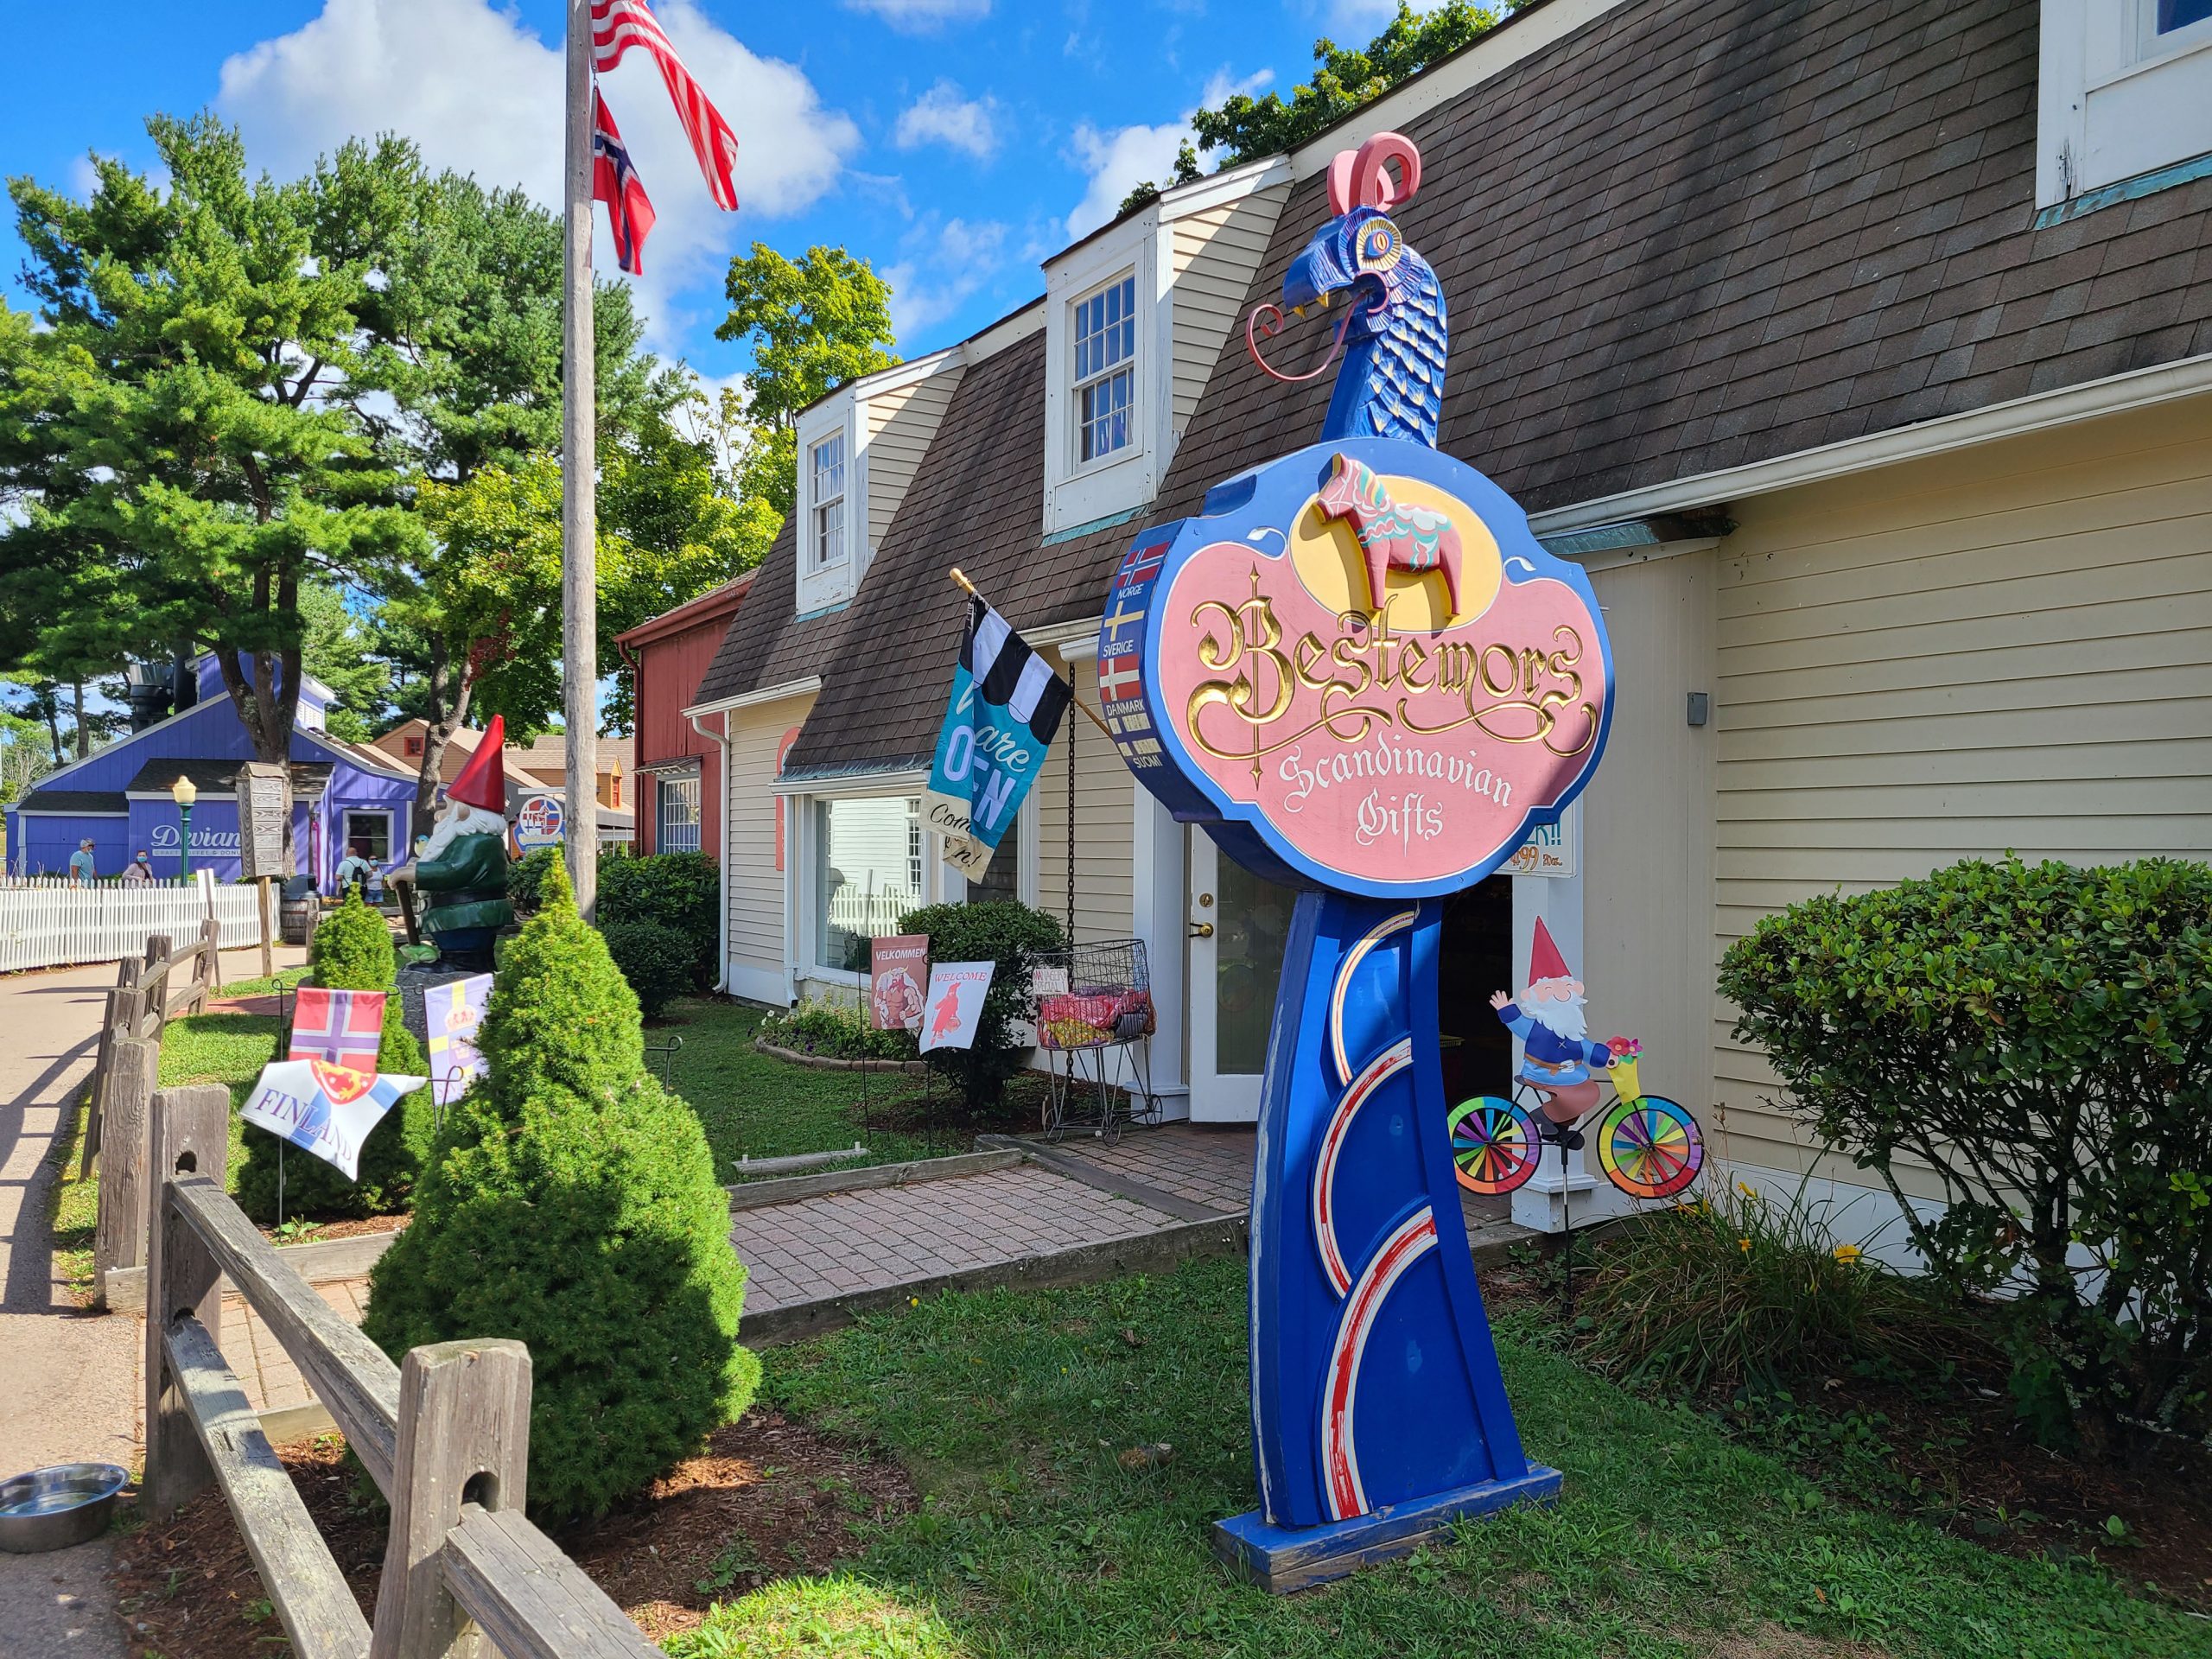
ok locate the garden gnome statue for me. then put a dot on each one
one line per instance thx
(464, 864)
(1557, 1055)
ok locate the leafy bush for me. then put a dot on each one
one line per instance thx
(1740, 1291)
(526, 879)
(675, 890)
(1007, 933)
(839, 1031)
(655, 960)
(2036, 1036)
(352, 951)
(572, 1205)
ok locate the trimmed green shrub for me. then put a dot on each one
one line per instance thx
(572, 1205)
(675, 890)
(655, 960)
(1744, 1290)
(2034, 1037)
(352, 951)
(839, 1031)
(526, 879)
(1011, 935)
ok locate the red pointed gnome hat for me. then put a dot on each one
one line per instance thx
(1544, 959)
(483, 781)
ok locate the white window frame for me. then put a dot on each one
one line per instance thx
(2117, 102)
(810, 811)
(390, 817)
(820, 554)
(1124, 480)
(662, 782)
(1121, 368)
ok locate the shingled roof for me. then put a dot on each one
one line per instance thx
(1690, 235)
(769, 644)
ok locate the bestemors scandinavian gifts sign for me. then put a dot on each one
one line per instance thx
(1358, 670)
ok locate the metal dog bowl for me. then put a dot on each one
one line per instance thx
(52, 1508)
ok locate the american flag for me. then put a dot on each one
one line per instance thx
(615, 182)
(337, 1027)
(618, 25)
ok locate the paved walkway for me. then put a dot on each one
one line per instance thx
(69, 1380)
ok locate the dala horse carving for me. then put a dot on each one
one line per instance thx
(1392, 535)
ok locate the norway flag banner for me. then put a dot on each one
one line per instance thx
(338, 1027)
(326, 1110)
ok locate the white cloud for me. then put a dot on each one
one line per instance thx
(1121, 159)
(1355, 22)
(944, 115)
(918, 17)
(940, 267)
(482, 93)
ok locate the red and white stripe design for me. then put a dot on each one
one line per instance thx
(1414, 1238)
(1382, 929)
(618, 25)
(1385, 1065)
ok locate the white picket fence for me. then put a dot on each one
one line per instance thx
(46, 923)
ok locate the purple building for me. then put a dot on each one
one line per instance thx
(343, 794)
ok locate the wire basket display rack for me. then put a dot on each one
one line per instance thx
(1093, 1014)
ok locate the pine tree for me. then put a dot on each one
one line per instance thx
(352, 952)
(571, 1203)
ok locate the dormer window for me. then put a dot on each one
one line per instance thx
(2124, 103)
(1105, 335)
(827, 494)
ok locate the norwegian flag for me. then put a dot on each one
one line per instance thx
(613, 181)
(618, 25)
(337, 1027)
(1140, 563)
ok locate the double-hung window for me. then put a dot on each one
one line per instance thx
(1105, 369)
(676, 826)
(827, 495)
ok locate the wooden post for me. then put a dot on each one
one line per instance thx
(579, 504)
(153, 1010)
(119, 1002)
(266, 887)
(190, 1138)
(207, 973)
(119, 1235)
(464, 1438)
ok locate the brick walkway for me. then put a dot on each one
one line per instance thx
(1207, 1163)
(265, 1371)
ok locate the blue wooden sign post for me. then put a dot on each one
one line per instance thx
(1360, 673)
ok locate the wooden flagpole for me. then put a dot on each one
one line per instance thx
(1074, 696)
(579, 504)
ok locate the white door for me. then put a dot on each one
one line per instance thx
(1239, 926)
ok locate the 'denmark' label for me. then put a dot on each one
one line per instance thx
(1359, 669)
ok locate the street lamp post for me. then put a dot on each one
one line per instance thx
(184, 793)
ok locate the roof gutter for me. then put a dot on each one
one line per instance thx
(721, 741)
(2114, 395)
(798, 688)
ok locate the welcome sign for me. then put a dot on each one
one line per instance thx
(1358, 668)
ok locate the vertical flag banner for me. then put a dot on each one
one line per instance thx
(956, 1003)
(614, 181)
(338, 1027)
(453, 1014)
(1005, 709)
(897, 966)
(326, 1110)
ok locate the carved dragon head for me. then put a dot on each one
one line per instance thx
(1360, 257)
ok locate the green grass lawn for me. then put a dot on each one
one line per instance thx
(1034, 1543)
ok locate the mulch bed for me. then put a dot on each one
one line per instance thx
(768, 1498)
(323, 1231)
(1982, 1477)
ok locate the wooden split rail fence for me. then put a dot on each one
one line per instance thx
(147, 991)
(445, 1436)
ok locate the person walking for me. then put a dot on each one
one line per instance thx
(355, 868)
(81, 868)
(139, 870)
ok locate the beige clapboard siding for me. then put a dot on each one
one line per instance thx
(756, 885)
(1105, 812)
(901, 423)
(1214, 254)
(2006, 649)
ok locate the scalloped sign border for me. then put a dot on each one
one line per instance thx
(1254, 688)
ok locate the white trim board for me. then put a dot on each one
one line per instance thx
(804, 687)
(2117, 394)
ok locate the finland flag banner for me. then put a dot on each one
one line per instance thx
(1007, 706)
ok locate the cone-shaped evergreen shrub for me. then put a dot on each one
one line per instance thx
(571, 1203)
(351, 951)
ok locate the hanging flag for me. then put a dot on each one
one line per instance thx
(338, 1027)
(451, 1013)
(1006, 705)
(615, 182)
(326, 1110)
(618, 25)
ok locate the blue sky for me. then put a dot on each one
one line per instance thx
(954, 144)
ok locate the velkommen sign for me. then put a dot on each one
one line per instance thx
(1358, 670)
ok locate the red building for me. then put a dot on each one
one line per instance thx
(677, 774)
